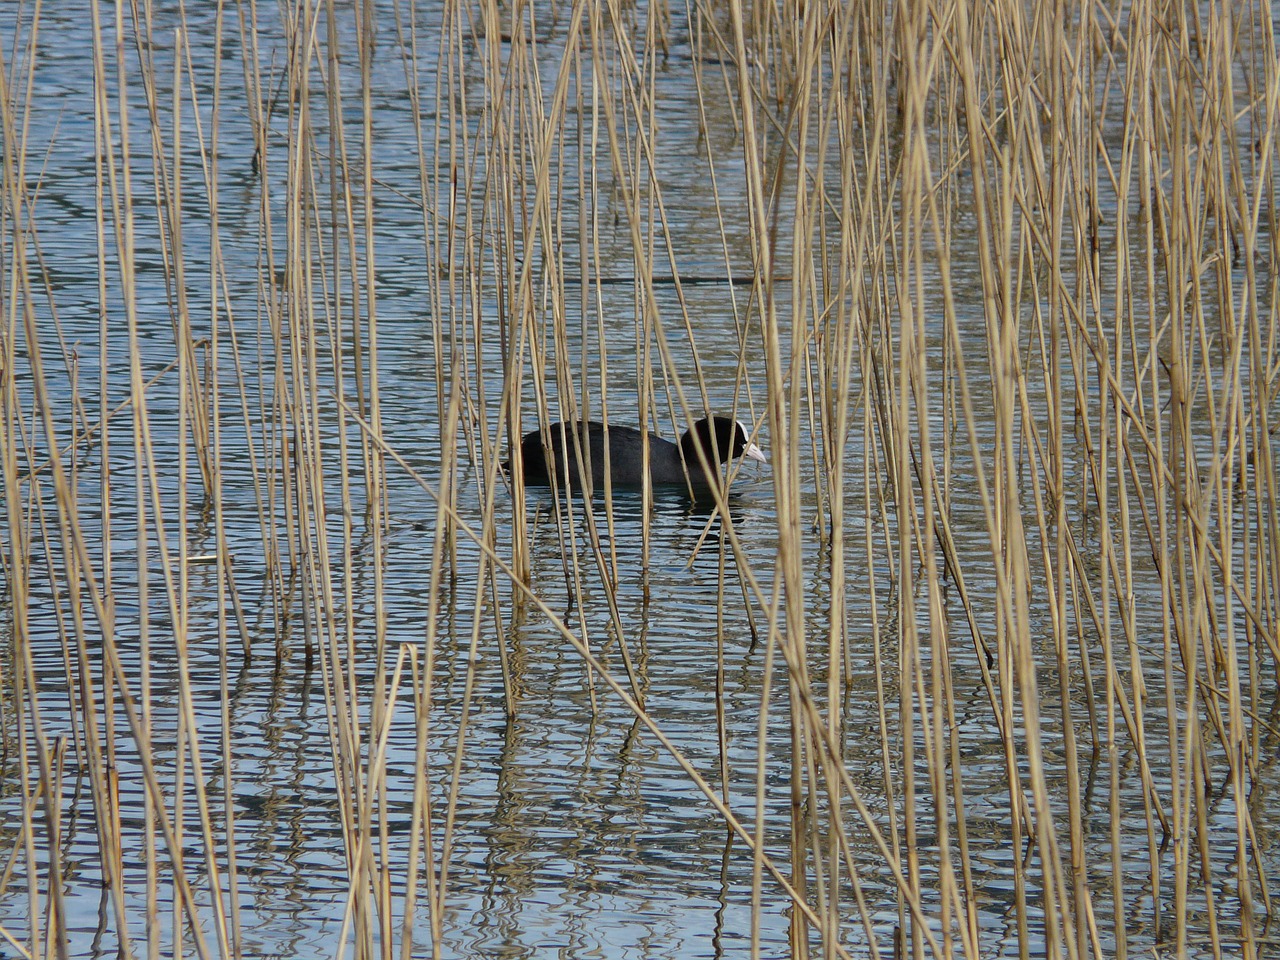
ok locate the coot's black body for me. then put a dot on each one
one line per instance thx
(670, 464)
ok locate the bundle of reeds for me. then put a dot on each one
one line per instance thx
(995, 283)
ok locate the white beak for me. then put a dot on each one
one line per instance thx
(755, 453)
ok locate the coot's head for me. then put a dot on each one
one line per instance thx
(720, 439)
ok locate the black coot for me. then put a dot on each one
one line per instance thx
(669, 463)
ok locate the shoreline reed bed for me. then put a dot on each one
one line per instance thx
(997, 285)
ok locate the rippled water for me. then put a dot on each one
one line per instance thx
(575, 832)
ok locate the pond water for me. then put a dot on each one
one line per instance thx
(574, 831)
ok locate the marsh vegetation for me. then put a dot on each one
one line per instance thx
(983, 663)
